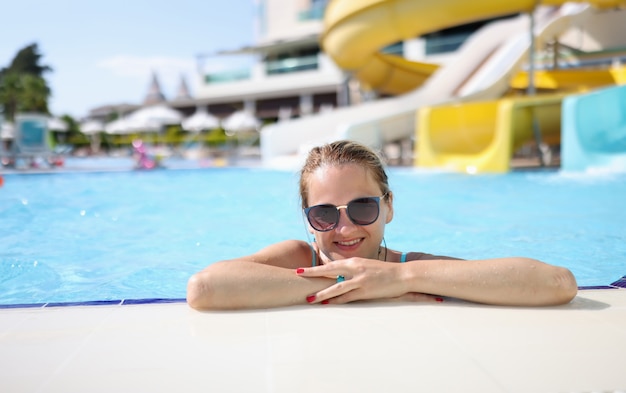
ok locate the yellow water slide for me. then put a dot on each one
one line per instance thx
(481, 136)
(471, 137)
(356, 31)
(478, 137)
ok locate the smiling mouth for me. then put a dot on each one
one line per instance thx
(349, 243)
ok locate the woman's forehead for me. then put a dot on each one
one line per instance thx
(341, 181)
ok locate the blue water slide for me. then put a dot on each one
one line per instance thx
(594, 130)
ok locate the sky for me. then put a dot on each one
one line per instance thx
(105, 52)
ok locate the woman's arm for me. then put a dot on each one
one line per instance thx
(262, 280)
(502, 281)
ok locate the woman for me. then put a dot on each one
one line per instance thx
(347, 202)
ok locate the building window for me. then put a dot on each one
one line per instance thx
(315, 10)
(227, 76)
(449, 40)
(295, 61)
(228, 68)
(394, 49)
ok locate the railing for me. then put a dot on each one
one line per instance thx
(292, 64)
(228, 76)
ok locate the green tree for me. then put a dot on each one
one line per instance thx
(23, 87)
(35, 94)
(26, 61)
(10, 91)
(73, 129)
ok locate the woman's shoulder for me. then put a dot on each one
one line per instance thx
(286, 253)
(287, 246)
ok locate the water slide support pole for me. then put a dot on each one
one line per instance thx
(344, 91)
(543, 150)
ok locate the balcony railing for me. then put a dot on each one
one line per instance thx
(228, 76)
(292, 64)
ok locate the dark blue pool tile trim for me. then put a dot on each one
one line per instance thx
(123, 302)
(89, 303)
(620, 283)
(29, 305)
(152, 301)
(597, 287)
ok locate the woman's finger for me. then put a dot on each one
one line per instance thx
(322, 271)
(333, 292)
(353, 296)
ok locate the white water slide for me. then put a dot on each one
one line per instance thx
(482, 69)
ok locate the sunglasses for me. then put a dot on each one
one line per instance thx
(361, 211)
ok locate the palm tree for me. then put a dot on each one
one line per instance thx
(22, 84)
(35, 94)
(10, 91)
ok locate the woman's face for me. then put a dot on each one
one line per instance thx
(338, 185)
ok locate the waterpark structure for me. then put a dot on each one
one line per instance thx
(504, 90)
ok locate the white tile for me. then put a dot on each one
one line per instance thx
(43, 342)
(158, 348)
(11, 319)
(453, 346)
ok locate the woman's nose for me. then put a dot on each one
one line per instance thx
(344, 220)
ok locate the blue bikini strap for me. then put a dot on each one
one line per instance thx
(403, 257)
(314, 256)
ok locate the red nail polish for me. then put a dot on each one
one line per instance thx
(438, 299)
(299, 270)
(310, 298)
(325, 302)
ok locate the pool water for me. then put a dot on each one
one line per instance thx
(74, 237)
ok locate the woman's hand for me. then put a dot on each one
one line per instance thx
(365, 279)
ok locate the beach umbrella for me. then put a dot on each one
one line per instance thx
(128, 125)
(91, 127)
(120, 126)
(200, 120)
(241, 121)
(56, 124)
(153, 118)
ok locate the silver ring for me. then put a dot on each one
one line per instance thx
(340, 279)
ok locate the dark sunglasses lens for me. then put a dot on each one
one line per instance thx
(323, 217)
(363, 211)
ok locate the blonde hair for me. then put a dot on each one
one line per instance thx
(342, 153)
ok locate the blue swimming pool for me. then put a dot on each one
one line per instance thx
(74, 237)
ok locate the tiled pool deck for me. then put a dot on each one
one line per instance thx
(165, 346)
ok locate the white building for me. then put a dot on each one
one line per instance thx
(285, 74)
